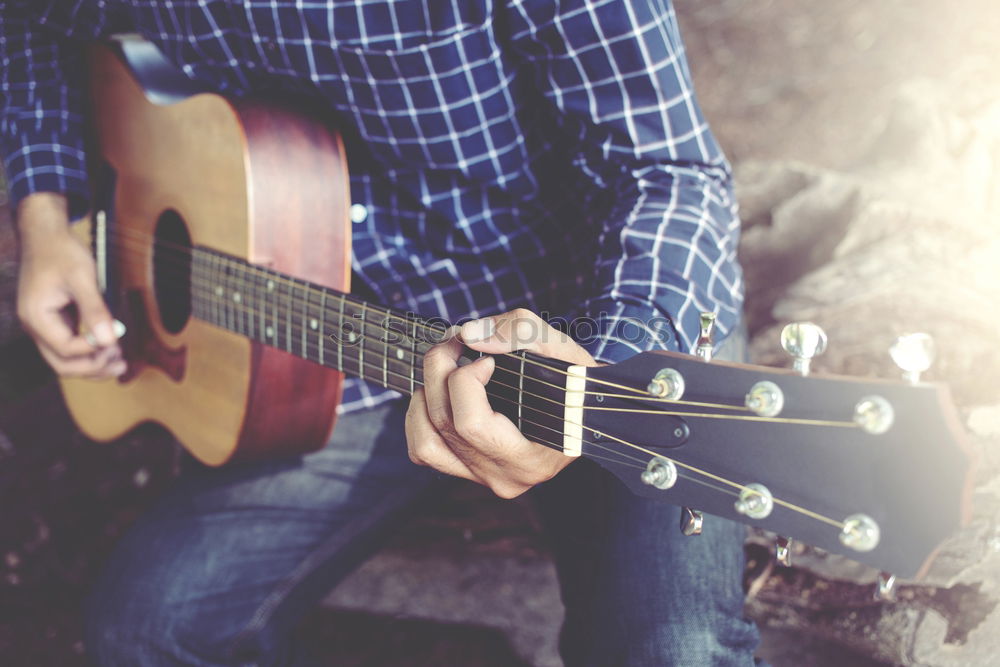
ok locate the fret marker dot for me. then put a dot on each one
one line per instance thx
(269, 332)
(352, 336)
(237, 297)
(314, 324)
(400, 354)
(219, 291)
(270, 285)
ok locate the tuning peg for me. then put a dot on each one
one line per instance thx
(783, 551)
(703, 348)
(885, 587)
(914, 354)
(691, 521)
(803, 340)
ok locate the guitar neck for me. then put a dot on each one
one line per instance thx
(381, 345)
(377, 344)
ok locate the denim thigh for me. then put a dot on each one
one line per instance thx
(221, 569)
(637, 592)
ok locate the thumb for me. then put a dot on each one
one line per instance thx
(94, 315)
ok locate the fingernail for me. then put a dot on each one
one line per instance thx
(477, 330)
(118, 368)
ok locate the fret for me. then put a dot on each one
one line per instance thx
(385, 350)
(273, 329)
(237, 296)
(248, 290)
(219, 291)
(340, 327)
(397, 348)
(230, 315)
(290, 286)
(201, 306)
(262, 278)
(305, 318)
(520, 396)
(361, 347)
(351, 342)
(321, 332)
(413, 356)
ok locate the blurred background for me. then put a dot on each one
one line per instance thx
(866, 141)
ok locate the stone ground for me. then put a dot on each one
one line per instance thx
(808, 85)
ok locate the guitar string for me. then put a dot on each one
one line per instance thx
(623, 458)
(305, 287)
(245, 267)
(247, 310)
(846, 424)
(735, 485)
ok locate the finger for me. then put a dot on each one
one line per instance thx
(106, 363)
(484, 432)
(489, 443)
(425, 445)
(439, 362)
(95, 318)
(521, 329)
(48, 324)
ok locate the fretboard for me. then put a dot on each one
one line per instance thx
(381, 345)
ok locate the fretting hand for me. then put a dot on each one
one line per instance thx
(450, 425)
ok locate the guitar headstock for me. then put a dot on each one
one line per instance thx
(875, 470)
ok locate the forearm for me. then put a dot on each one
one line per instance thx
(666, 250)
(667, 255)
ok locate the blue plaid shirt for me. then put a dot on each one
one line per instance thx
(528, 153)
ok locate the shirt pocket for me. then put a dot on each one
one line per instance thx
(444, 103)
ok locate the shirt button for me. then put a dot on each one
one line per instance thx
(359, 213)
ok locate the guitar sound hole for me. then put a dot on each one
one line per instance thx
(172, 271)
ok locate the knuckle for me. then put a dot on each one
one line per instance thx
(415, 457)
(435, 359)
(440, 418)
(471, 429)
(507, 490)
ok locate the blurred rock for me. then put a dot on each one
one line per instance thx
(906, 240)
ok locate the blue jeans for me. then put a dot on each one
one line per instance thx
(223, 567)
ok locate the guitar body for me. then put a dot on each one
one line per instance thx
(254, 181)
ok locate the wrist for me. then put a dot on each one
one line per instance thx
(42, 214)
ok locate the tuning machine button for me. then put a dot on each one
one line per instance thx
(913, 353)
(692, 521)
(885, 587)
(703, 348)
(783, 551)
(755, 501)
(803, 341)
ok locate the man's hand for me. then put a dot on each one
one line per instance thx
(450, 425)
(57, 273)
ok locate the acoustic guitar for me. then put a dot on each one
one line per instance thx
(222, 238)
